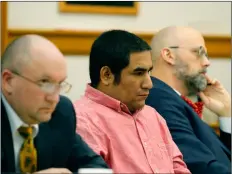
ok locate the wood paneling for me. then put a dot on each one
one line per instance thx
(218, 46)
(79, 42)
(3, 25)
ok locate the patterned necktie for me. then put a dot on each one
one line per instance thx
(197, 107)
(28, 154)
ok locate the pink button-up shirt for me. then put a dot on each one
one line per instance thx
(129, 143)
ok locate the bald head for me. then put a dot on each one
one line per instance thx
(180, 58)
(24, 49)
(33, 72)
(174, 36)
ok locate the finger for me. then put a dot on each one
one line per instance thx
(203, 97)
(206, 92)
(217, 82)
(214, 81)
(209, 80)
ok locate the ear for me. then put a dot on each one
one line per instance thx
(106, 76)
(7, 81)
(168, 56)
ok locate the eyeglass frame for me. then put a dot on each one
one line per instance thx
(200, 51)
(42, 87)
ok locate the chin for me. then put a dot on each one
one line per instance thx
(202, 86)
(140, 105)
(44, 118)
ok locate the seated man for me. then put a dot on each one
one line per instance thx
(180, 66)
(113, 118)
(37, 125)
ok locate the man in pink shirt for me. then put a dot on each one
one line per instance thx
(113, 118)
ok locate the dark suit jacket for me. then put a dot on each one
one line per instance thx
(203, 151)
(57, 144)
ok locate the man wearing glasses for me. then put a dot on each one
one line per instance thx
(180, 66)
(37, 123)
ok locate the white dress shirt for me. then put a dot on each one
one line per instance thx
(15, 123)
(224, 122)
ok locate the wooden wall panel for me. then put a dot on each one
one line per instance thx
(4, 32)
(79, 42)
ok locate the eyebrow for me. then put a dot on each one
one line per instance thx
(48, 77)
(142, 69)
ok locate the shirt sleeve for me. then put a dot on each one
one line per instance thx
(225, 124)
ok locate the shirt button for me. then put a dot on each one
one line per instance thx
(145, 144)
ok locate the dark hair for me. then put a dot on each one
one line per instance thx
(113, 48)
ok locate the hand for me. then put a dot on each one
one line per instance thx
(216, 98)
(54, 170)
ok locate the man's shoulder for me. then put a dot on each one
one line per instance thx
(159, 91)
(64, 101)
(85, 104)
(64, 109)
(160, 97)
(64, 104)
(86, 108)
(82, 102)
(167, 102)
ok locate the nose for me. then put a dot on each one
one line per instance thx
(206, 62)
(147, 84)
(53, 98)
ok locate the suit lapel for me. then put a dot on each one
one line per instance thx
(7, 149)
(43, 143)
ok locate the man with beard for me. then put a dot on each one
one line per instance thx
(180, 61)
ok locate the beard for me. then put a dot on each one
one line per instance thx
(194, 82)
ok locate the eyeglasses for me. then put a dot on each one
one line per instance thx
(48, 87)
(200, 51)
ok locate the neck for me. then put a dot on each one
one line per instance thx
(102, 88)
(168, 77)
(7, 97)
(108, 91)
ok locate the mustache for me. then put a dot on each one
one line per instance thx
(203, 71)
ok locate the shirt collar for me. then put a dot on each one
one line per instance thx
(177, 92)
(104, 99)
(14, 119)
